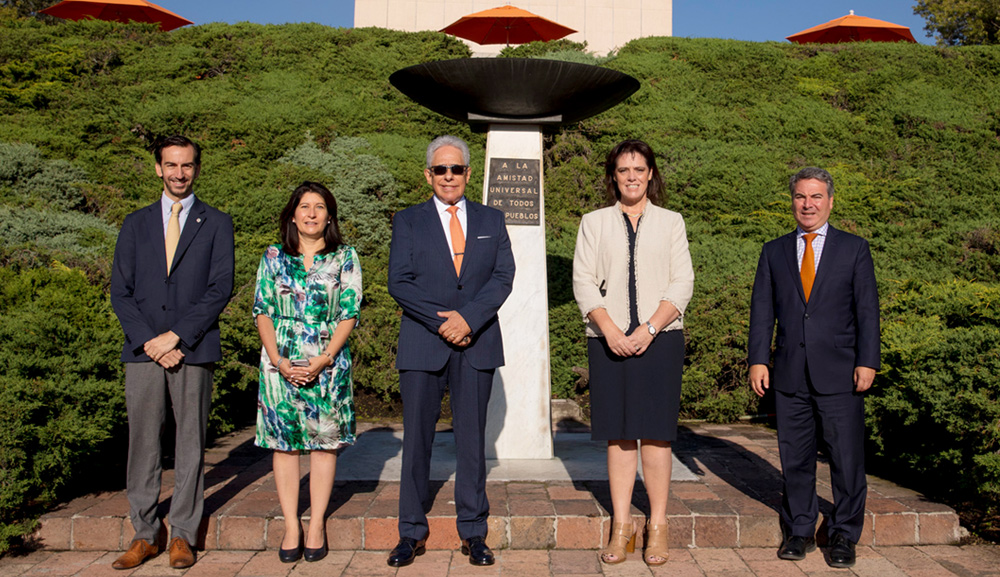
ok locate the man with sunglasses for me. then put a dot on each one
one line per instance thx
(450, 269)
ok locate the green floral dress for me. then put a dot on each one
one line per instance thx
(305, 307)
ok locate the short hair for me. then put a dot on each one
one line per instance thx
(448, 140)
(811, 173)
(290, 234)
(176, 140)
(654, 192)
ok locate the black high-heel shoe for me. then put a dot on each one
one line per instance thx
(313, 555)
(293, 555)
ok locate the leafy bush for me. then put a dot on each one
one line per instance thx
(54, 183)
(539, 49)
(577, 57)
(71, 233)
(57, 184)
(18, 161)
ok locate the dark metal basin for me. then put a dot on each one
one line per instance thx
(514, 90)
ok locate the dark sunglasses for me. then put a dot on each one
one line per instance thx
(441, 169)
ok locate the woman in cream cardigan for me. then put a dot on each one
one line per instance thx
(632, 279)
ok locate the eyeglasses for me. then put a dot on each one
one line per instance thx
(441, 169)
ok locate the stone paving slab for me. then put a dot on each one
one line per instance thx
(726, 496)
(378, 456)
(932, 561)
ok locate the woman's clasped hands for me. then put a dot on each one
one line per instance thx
(301, 374)
(629, 345)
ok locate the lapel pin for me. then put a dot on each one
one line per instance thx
(198, 220)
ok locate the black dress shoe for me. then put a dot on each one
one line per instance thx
(478, 552)
(406, 551)
(795, 548)
(842, 553)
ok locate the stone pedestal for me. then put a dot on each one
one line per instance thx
(519, 424)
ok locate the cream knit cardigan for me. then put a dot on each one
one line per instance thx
(662, 265)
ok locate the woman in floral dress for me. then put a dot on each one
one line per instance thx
(306, 304)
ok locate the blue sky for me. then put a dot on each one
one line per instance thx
(756, 20)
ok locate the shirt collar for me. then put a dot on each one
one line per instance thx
(442, 207)
(821, 231)
(166, 203)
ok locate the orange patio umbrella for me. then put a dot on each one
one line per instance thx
(506, 25)
(117, 11)
(853, 28)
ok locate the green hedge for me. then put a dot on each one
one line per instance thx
(910, 134)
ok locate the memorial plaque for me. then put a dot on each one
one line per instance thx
(514, 188)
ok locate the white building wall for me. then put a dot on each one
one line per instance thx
(604, 24)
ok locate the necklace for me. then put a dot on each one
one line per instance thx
(633, 214)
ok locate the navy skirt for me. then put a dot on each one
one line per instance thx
(636, 397)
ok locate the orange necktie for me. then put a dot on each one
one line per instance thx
(173, 233)
(808, 269)
(457, 239)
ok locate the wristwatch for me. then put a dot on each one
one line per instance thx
(652, 329)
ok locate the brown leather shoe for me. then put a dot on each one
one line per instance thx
(138, 551)
(181, 555)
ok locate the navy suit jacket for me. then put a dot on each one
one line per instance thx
(835, 332)
(190, 300)
(422, 280)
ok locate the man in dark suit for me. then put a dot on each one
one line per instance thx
(818, 283)
(172, 277)
(450, 269)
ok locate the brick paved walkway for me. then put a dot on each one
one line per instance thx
(724, 523)
(921, 561)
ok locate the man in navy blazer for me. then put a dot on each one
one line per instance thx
(449, 336)
(826, 354)
(172, 277)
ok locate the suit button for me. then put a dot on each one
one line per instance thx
(164, 307)
(802, 345)
(807, 316)
(459, 287)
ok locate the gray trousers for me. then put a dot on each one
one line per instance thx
(149, 388)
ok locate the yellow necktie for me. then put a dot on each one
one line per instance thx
(173, 233)
(457, 239)
(808, 268)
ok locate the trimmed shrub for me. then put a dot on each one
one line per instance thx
(60, 389)
(934, 416)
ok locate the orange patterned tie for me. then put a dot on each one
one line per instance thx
(173, 233)
(457, 239)
(808, 269)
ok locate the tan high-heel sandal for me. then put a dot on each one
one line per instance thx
(622, 540)
(656, 544)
